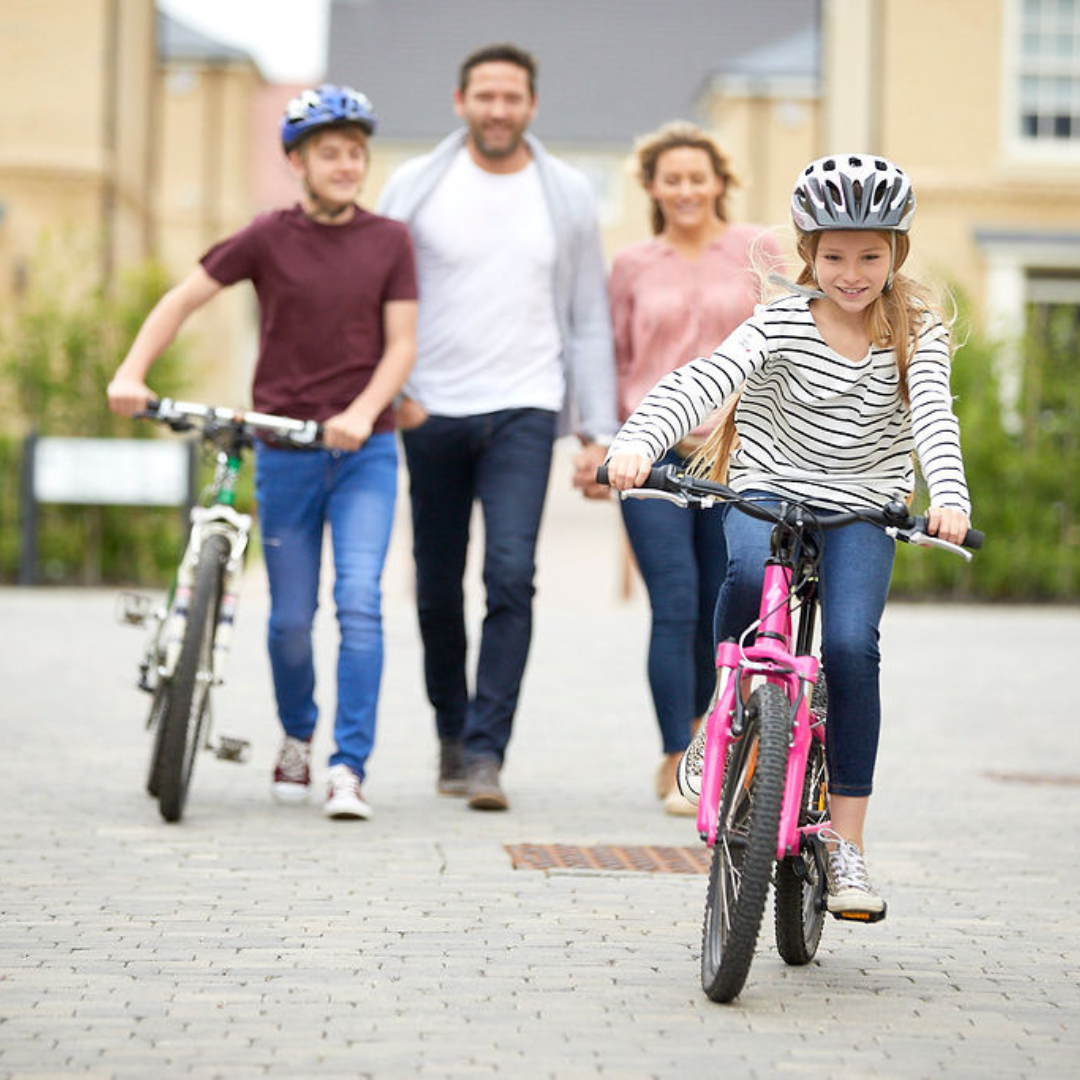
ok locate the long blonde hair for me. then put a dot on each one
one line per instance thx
(893, 320)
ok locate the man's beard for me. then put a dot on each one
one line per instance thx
(498, 151)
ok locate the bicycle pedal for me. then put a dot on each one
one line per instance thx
(134, 609)
(230, 749)
(860, 916)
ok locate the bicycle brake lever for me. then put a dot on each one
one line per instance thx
(653, 493)
(921, 539)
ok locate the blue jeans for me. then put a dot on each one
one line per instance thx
(854, 574)
(298, 493)
(681, 556)
(503, 460)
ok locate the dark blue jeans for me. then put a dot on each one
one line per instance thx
(299, 493)
(502, 459)
(855, 569)
(681, 555)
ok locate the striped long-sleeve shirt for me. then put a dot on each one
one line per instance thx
(813, 424)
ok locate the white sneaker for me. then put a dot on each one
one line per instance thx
(848, 883)
(292, 771)
(343, 798)
(691, 765)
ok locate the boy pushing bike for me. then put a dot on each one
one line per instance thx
(337, 303)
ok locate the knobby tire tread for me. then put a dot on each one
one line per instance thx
(722, 981)
(798, 927)
(182, 732)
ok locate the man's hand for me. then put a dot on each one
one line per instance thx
(586, 462)
(409, 414)
(346, 431)
(128, 396)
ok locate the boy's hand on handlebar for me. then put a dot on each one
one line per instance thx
(346, 431)
(628, 470)
(128, 396)
(947, 524)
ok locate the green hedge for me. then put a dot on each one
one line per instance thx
(57, 354)
(1023, 468)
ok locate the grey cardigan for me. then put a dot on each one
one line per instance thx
(580, 285)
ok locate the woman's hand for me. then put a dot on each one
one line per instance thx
(628, 470)
(947, 524)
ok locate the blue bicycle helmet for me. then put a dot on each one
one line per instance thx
(325, 107)
(853, 191)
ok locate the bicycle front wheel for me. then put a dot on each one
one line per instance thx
(189, 694)
(745, 848)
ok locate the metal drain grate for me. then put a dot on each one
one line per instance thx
(1059, 780)
(650, 860)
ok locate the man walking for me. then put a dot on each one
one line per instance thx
(513, 322)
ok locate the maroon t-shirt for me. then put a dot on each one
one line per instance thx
(321, 291)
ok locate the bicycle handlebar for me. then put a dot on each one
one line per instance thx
(185, 415)
(667, 482)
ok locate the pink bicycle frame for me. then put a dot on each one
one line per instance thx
(770, 656)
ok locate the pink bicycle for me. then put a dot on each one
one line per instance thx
(763, 798)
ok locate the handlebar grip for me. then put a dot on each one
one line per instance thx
(659, 478)
(973, 541)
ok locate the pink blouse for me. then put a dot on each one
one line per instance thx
(667, 310)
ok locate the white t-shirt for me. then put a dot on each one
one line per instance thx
(487, 335)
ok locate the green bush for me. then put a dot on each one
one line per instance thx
(57, 354)
(1023, 469)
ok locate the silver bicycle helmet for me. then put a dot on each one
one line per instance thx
(852, 191)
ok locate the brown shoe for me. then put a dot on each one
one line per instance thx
(451, 767)
(482, 785)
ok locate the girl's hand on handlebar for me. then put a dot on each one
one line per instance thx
(627, 470)
(128, 396)
(947, 524)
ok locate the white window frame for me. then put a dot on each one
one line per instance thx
(1021, 147)
(1011, 258)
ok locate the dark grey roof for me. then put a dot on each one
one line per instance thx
(608, 69)
(178, 41)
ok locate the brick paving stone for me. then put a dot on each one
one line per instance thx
(257, 940)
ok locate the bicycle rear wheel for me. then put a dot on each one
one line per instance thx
(745, 847)
(189, 705)
(798, 919)
(159, 711)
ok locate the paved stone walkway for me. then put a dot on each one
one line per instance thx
(255, 940)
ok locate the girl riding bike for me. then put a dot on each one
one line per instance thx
(841, 379)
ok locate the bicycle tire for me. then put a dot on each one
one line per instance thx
(745, 848)
(798, 920)
(190, 689)
(159, 711)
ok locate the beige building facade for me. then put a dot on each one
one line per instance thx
(980, 101)
(138, 150)
(76, 152)
(114, 151)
